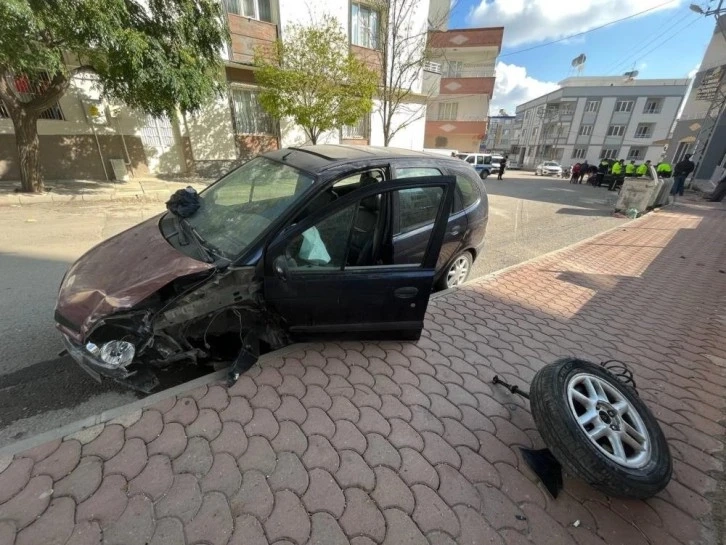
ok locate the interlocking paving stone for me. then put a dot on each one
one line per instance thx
(395, 442)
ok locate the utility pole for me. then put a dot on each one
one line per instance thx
(711, 89)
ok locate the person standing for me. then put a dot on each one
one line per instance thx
(584, 169)
(681, 172)
(575, 173)
(502, 166)
(630, 169)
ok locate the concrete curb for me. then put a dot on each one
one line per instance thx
(110, 414)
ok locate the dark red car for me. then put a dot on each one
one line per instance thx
(298, 243)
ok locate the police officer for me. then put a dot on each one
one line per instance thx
(630, 168)
(617, 168)
(664, 169)
(643, 169)
(602, 170)
(617, 174)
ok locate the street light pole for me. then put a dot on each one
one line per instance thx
(718, 100)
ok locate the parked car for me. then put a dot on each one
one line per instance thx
(513, 165)
(484, 163)
(292, 245)
(548, 168)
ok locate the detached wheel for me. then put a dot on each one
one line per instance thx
(600, 430)
(457, 273)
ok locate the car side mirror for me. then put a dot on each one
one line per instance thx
(280, 266)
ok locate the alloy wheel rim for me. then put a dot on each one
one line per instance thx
(609, 420)
(457, 272)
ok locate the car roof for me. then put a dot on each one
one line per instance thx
(315, 159)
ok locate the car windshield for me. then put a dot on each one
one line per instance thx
(551, 164)
(240, 206)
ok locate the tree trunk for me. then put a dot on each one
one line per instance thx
(26, 138)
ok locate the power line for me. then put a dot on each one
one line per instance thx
(638, 55)
(586, 31)
(672, 23)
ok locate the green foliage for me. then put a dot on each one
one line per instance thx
(312, 77)
(154, 55)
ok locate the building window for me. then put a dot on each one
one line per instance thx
(681, 151)
(249, 117)
(592, 105)
(454, 69)
(254, 9)
(653, 106)
(644, 130)
(585, 130)
(616, 130)
(609, 153)
(359, 131)
(430, 66)
(579, 153)
(636, 153)
(157, 132)
(364, 26)
(624, 106)
(27, 90)
(448, 111)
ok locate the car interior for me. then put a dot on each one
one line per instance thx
(365, 240)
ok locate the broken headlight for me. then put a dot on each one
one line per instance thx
(117, 353)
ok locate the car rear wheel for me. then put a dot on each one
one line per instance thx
(484, 174)
(458, 271)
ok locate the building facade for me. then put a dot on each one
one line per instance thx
(594, 118)
(701, 127)
(459, 81)
(84, 136)
(499, 133)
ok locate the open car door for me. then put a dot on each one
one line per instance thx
(335, 271)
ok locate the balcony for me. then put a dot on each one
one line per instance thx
(467, 39)
(249, 34)
(467, 86)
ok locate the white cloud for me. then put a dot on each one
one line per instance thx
(513, 87)
(530, 21)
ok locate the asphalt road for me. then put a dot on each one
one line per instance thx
(39, 391)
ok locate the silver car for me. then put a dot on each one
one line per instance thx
(548, 168)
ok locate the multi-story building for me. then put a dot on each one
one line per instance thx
(701, 127)
(594, 118)
(459, 83)
(82, 134)
(499, 133)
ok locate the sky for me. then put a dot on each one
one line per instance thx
(668, 41)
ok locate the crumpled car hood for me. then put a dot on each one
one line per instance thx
(119, 273)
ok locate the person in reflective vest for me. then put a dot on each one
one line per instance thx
(630, 168)
(617, 169)
(664, 169)
(642, 170)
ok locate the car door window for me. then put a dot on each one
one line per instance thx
(358, 235)
(471, 159)
(480, 160)
(413, 172)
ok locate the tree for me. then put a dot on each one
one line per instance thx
(402, 52)
(311, 77)
(155, 55)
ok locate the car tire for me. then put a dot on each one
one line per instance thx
(463, 263)
(558, 413)
(535, 173)
(484, 174)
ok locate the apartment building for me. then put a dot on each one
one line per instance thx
(701, 127)
(499, 133)
(84, 137)
(459, 81)
(594, 118)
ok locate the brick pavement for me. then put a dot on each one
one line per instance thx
(409, 443)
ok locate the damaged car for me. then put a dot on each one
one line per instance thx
(299, 243)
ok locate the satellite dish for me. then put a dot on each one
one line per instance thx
(630, 76)
(502, 112)
(578, 63)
